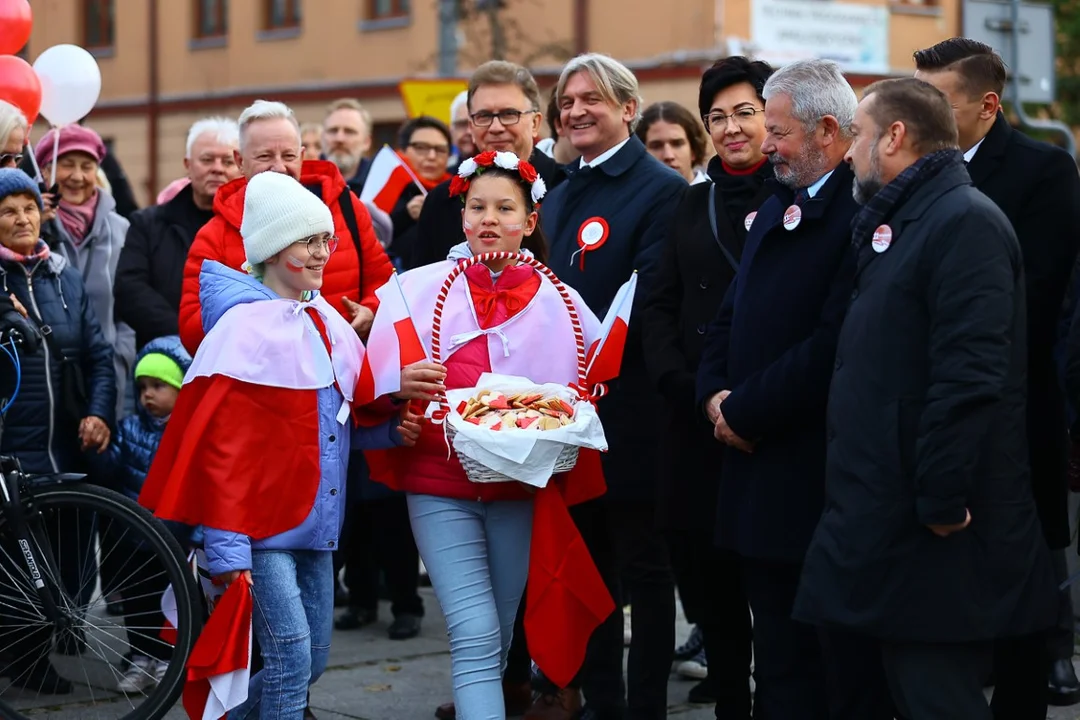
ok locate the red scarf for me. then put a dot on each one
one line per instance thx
(428, 185)
(40, 252)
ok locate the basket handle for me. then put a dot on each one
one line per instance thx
(544, 270)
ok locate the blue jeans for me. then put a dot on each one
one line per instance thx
(477, 556)
(293, 593)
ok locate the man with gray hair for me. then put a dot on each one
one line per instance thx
(149, 276)
(608, 219)
(269, 141)
(765, 368)
(929, 547)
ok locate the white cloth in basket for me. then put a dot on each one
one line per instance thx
(527, 456)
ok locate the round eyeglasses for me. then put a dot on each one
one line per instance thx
(326, 244)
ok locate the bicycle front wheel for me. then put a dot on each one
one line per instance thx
(110, 652)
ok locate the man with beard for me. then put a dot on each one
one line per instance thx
(764, 373)
(1037, 187)
(929, 542)
(150, 273)
(346, 139)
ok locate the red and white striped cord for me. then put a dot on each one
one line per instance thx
(545, 271)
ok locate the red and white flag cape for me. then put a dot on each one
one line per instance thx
(388, 176)
(605, 355)
(219, 668)
(392, 344)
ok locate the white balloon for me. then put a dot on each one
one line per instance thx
(70, 83)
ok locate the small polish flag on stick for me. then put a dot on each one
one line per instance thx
(388, 176)
(605, 355)
(392, 344)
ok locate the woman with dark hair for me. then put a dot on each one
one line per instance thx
(676, 138)
(424, 145)
(700, 262)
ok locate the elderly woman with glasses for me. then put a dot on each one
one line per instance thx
(89, 234)
(13, 131)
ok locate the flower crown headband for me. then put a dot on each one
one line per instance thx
(473, 166)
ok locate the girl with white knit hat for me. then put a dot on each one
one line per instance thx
(257, 448)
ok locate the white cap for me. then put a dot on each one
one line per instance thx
(278, 211)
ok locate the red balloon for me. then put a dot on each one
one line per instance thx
(15, 22)
(20, 86)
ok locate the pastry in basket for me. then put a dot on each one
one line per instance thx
(518, 411)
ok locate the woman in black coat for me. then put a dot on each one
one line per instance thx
(700, 261)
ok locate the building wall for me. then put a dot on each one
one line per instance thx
(337, 53)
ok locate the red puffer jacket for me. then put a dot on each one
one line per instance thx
(425, 468)
(346, 273)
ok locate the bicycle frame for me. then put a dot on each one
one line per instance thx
(15, 486)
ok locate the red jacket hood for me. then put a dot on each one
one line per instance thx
(229, 199)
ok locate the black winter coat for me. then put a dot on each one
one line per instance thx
(150, 274)
(925, 420)
(772, 345)
(637, 196)
(439, 226)
(1038, 188)
(37, 430)
(690, 285)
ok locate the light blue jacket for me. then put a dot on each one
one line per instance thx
(221, 288)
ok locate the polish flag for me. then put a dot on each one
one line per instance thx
(392, 344)
(388, 176)
(219, 667)
(605, 355)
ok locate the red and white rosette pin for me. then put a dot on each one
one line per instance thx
(882, 239)
(592, 234)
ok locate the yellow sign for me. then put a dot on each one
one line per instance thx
(430, 97)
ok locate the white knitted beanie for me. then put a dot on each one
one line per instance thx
(278, 211)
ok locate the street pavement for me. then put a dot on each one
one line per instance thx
(371, 677)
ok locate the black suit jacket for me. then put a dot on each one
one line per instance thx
(772, 344)
(1038, 188)
(150, 273)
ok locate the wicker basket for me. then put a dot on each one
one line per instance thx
(474, 470)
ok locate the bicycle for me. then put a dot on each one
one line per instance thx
(62, 601)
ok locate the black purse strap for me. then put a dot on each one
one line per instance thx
(349, 213)
(716, 235)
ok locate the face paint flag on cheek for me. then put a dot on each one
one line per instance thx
(293, 264)
(592, 235)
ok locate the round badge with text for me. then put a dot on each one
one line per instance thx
(882, 239)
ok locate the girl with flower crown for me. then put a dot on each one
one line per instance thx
(475, 539)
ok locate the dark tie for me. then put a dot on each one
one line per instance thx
(801, 196)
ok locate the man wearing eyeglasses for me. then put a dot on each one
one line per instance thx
(504, 107)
